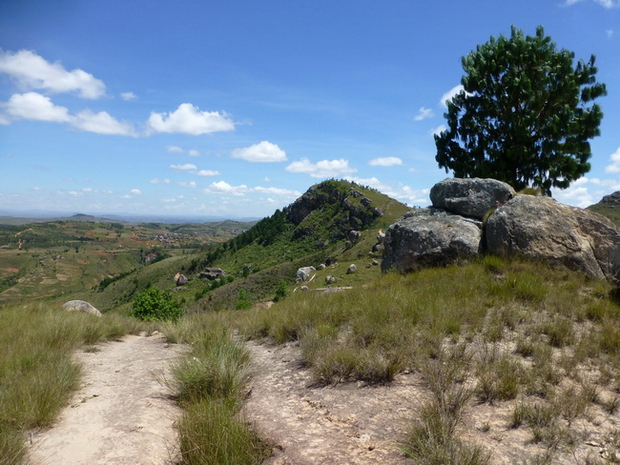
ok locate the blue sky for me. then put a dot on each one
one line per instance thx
(235, 108)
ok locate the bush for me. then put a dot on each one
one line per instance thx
(156, 305)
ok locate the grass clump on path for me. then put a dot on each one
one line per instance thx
(211, 383)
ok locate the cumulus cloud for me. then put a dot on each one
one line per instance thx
(263, 152)
(128, 96)
(207, 173)
(136, 191)
(322, 169)
(36, 107)
(386, 161)
(450, 95)
(193, 153)
(174, 149)
(188, 119)
(397, 191)
(31, 71)
(191, 184)
(222, 187)
(158, 181)
(423, 113)
(184, 167)
(101, 123)
(614, 167)
(604, 3)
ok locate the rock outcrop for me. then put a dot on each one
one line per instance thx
(428, 237)
(541, 228)
(527, 226)
(470, 197)
(81, 306)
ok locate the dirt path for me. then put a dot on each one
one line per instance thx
(346, 424)
(123, 413)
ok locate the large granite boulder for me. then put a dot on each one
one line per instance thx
(543, 229)
(304, 273)
(81, 306)
(428, 237)
(471, 197)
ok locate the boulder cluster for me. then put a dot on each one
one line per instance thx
(470, 217)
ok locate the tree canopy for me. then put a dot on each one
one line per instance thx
(524, 116)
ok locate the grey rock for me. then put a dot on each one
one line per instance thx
(472, 197)
(428, 237)
(81, 306)
(304, 273)
(543, 229)
(352, 268)
(329, 279)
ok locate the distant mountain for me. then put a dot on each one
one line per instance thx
(18, 218)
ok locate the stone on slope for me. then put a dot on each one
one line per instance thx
(472, 197)
(544, 229)
(81, 306)
(429, 237)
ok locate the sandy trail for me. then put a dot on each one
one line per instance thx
(345, 424)
(122, 414)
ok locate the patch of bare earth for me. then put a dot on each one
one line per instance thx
(350, 423)
(358, 424)
(122, 414)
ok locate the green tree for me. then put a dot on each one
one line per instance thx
(155, 305)
(524, 116)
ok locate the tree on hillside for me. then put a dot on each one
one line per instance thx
(524, 116)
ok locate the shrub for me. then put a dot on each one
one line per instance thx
(156, 305)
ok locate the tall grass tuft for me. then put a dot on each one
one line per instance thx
(211, 383)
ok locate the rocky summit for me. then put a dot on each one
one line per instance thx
(516, 225)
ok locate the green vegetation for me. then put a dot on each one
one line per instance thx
(37, 375)
(545, 340)
(211, 383)
(155, 305)
(524, 116)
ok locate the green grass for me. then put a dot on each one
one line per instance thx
(37, 375)
(211, 384)
(520, 330)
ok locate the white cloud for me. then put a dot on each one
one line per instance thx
(191, 184)
(610, 33)
(277, 191)
(604, 3)
(614, 167)
(207, 173)
(32, 71)
(158, 181)
(450, 95)
(128, 96)
(36, 107)
(136, 191)
(193, 153)
(322, 169)
(386, 161)
(174, 149)
(263, 152)
(423, 113)
(188, 119)
(101, 123)
(397, 191)
(184, 167)
(222, 187)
